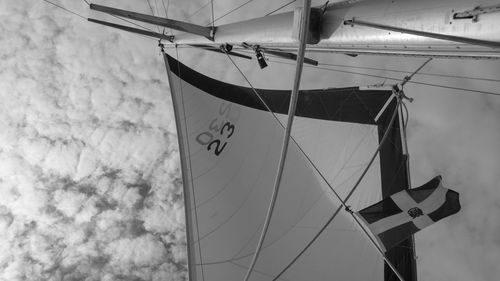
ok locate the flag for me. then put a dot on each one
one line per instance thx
(395, 218)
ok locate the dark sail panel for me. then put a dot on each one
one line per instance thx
(339, 104)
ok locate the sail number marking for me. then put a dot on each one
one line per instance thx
(219, 131)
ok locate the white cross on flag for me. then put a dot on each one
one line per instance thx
(402, 214)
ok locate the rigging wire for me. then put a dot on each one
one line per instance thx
(285, 5)
(166, 8)
(79, 15)
(156, 7)
(65, 9)
(455, 88)
(166, 12)
(232, 11)
(210, 2)
(420, 73)
(131, 22)
(150, 7)
(396, 79)
(153, 13)
(199, 9)
(406, 79)
(128, 21)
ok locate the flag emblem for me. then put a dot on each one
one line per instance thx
(399, 216)
(415, 212)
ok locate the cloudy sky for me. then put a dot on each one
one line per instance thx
(89, 172)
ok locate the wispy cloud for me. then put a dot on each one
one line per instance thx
(89, 186)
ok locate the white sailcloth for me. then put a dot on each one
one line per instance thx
(230, 148)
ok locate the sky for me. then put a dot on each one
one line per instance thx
(89, 168)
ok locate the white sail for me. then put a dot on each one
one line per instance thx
(230, 147)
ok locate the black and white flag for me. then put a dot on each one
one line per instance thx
(395, 218)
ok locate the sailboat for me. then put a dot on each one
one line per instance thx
(265, 202)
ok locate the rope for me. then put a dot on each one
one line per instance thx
(343, 202)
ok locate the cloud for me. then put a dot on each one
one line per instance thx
(86, 147)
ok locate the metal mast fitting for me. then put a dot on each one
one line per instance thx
(174, 24)
(476, 12)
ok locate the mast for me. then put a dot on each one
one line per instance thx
(304, 23)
